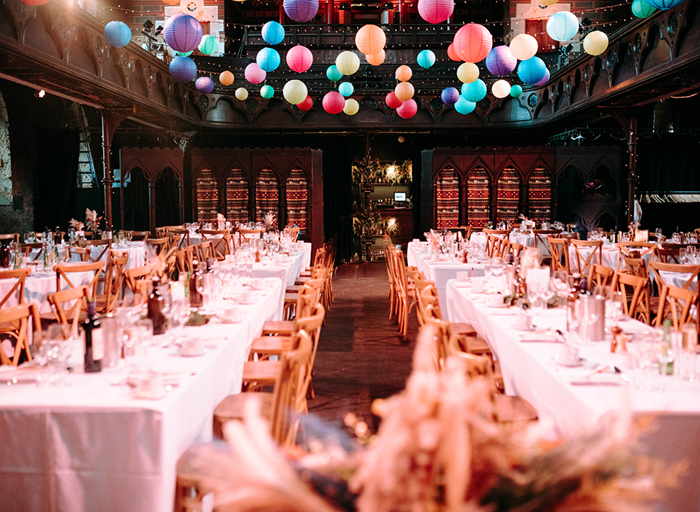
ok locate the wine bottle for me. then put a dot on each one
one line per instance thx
(94, 344)
(196, 300)
(155, 309)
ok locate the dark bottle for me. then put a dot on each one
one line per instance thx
(155, 309)
(583, 287)
(4, 256)
(196, 300)
(57, 239)
(94, 344)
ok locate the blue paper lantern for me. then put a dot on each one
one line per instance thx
(664, 5)
(562, 26)
(267, 92)
(117, 33)
(272, 32)
(333, 73)
(301, 11)
(346, 89)
(500, 61)
(182, 32)
(183, 69)
(464, 106)
(475, 91)
(532, 70)
(268, 59)
(516, 91)
(204, 84)
(449, 96)
(426, 59)
(641, 9)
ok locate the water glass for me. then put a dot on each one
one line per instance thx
(688, 353)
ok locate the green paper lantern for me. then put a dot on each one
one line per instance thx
(333, 73)
(267, 92)
(208, 45)
(516, 91)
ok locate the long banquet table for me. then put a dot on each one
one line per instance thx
(90, 445)
(529, 370)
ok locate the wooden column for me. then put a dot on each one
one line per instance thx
(110, 121)
(152, 206)
(632, 178)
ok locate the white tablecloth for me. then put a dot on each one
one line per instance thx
(529, 370)
(90, 446)
(38, 286)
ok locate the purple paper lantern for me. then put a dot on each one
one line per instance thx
(182, 32)
(301, 11)
(183, 69)
(544, 80)
(449, 96)
(204, 84)
(254, 74)
(500, 61)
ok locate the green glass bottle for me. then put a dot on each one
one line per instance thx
(668, 347)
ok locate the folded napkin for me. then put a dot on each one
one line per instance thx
(598, 380)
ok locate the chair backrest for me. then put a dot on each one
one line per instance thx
(429, 303)
(568, 235)
(185, 259)
(491, 236)
(599, 276)
(205, 250)
(157, 245)
(475, 366)
(138, 236)
(667, 255)
(220, 242)
(76, 299)
(634, 250)
(184, 240)
(134, 275)
(632, 287)
(17, 288)
(584, 262)
(14, 237)
(15, 323)
(541, 239)
(660, 272)
(680, 301)
(559, 249)
(98, 249)
(114, 279)
(247, 235)
(635, 266)
(82, 252)
(516, 249)
(26, 250)
(64, 270)
(431, 346)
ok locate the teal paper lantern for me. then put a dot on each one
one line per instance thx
(464, 106)
(183, 54)
(333, 73)
(532, 70)
(664, 5)
(268, 59)
(562, 26)
(346, 89)
(117, 33)
(426, 59)
(208, 45)
(272, 32)
(641, 9)
(475, 91)
(267, 92)
(516, 91)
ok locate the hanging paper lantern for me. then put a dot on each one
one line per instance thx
(500, 61)
(370, 39)
(333, 73)
(35, 2)
(295, 91)
(301, 11)
(268, 59)
(183, 69)
(392, 101)
(347, 63)
(449, 96)
(183, 54)
(435, 11)
(562, 26)
(452, 53)
(426, 58)
(226, 78)
(376, 59)
(642, 9)
(182, 32)
(267, 92)
(204, 84)
(475, 91)
(404, 91)
(467, 72)
(403, 73)
(306, 104)
(408, 109)
(500, 88)
(464, 106)
(208, 45)
(544, 80)
(272, 32)
(346, 89)
(117, 33)
(333, 102)
(532, 70)
(299, 58)
(473, 42)
(254, 74)
(351, 107)
(516, 91)
(242, 93)
(664, 5)
(523, 46)
(595, 43)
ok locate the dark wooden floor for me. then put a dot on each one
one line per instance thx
(360, 356)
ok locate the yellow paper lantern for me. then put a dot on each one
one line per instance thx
(595, 43)
(295, 91)
(370, 39)
(500, 89)
(376, 59)
(351, 107)
(404, 91)
(403, 73)
(467, 72)
(226, 78)
(523, 46)
(241, 93)
(347, 63)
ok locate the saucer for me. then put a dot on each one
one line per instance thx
(499, 306)
(570, 364)
(530, 328)
(193, 354)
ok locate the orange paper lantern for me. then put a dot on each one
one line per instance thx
(452, 54)
(370, 39)
(473, 42)
(403, 73)
(404, 91)
(376, 59)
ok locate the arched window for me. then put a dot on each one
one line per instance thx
(508, 195)
(267, 194)
(447, 198)
(540, 195)
(478, 192)
(207, 196)
(236, 196)
(297, 195)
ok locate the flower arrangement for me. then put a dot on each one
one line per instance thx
(269, 220)
(92, 220)
(76, 224)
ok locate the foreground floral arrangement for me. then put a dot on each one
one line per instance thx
(438, 448)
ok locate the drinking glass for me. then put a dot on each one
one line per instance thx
(689, 352)
(643, 361)
(613, 306)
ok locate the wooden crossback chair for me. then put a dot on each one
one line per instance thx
(220, 242)
(184, 240)
(134, 275)
(17, 289)
(185, 259)
(82, 252)
(158, 245)
(12, 237)
(104, 245)
(559, 250)
(205, 251)
(680, 301)
(542, 241)
(27, 249)
(599, 277)
(668, 255)
(657, 270)
(490, 240)
(632, 289)
(568, 235)
(516, 249)
(406, 291)
(140, 236)
(293, 232)
(584, 262)
(75, 299)
(15, 323)
(245, 236)
(113, 281)
(635, 250)
(64, 270)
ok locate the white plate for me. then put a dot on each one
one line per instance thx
(570, 364)
(523, 329)
(193, 354)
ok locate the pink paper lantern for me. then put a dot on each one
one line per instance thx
(500, 61)
(408, 109)
(299, 58)
(473, 42)
(435, 11)
(254, 74)
(333, 102)
(306, 104)
(392, 101)
(301, 11)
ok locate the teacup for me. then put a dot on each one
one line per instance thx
(192, 347)
(568, 354)
(478, 286)
(523, 321)
(496, 300)
(149, 386)
(462, 277)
